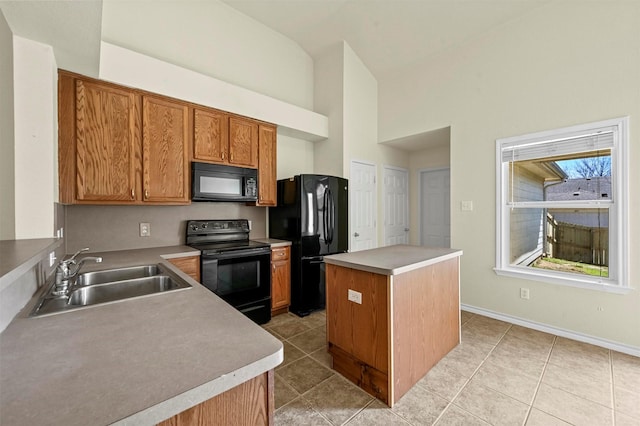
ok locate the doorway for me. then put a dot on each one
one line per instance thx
(363, 206)
(435, 207)
(396, 205)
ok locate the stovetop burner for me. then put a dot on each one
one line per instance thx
(217, 236)
(208, 248)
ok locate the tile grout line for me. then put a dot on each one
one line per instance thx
(472, 374)
(544, 369)
(613, 392)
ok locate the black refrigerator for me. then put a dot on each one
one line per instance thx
(312, 213)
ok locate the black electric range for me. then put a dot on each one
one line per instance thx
(232, 266)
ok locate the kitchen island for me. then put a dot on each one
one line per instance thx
(178, 355)
(392, 314)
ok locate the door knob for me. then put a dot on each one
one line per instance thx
(406, 229)
(355, 234)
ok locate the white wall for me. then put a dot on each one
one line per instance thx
(7, 140)
(559, 65)
(361, 129)
(347, 93)
(294, 156)
(36, 177)
(212, 38)
(329, 100)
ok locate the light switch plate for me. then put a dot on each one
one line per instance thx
(355, 296)
(466, 206)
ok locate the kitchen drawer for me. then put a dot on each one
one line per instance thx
(279, 253)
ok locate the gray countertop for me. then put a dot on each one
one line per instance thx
(392, 260)
(274, 242)
(18, 256)
(138, 361)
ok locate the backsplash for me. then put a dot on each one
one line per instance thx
(108, 228)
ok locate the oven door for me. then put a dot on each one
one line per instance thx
(239, 277)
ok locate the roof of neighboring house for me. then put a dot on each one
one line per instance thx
(594, 188)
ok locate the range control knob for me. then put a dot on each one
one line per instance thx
(194, 227)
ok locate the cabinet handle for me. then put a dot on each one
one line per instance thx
(231, 157)
(274, 267)
(146, 193)
(223, 155)
(133, 194)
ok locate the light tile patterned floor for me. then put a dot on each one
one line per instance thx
(501, 374)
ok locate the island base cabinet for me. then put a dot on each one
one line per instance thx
(403, 326)
(368, 378)
(250, 403)
(426, 321)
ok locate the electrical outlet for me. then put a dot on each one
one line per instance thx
(524, 293)
(145, 229)
(355, 296)
(52, 258)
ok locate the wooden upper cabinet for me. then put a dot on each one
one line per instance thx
(118, 145)
(210, 135)
(165, 154)
(267, 182)
(243, 142)
(107, 142)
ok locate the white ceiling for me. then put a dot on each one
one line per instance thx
(387, 35)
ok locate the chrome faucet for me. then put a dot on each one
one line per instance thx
(66, 270)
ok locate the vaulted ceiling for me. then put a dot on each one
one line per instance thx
(387, 35)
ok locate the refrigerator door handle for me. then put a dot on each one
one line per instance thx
(324, 217)
(330, 215)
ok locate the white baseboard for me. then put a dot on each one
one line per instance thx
(620, 347)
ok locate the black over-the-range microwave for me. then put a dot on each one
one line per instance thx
(217, 182)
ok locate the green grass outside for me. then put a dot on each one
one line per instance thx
(569, 266)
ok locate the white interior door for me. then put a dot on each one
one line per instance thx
(363, 209)
(396, 206)
(435, 210)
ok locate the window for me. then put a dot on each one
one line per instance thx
(561, 205)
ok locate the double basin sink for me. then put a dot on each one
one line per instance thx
(108, 286)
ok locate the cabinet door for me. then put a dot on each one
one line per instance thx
(267, 166)
(210, 135)
(107, 137)
(243, 142)
(165, 176)
(189, 265)
(280, 278)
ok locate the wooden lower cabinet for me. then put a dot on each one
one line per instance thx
(280, 280)
(189, 265)
(405, 324)
(250, 403)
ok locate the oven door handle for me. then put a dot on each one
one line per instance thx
(237, 253)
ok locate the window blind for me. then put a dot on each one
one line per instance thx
(558, 147)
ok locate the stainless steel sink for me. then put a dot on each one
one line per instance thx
(109, 292)
(108, 286)
(111, 275)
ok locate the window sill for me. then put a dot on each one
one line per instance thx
(561, 280)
